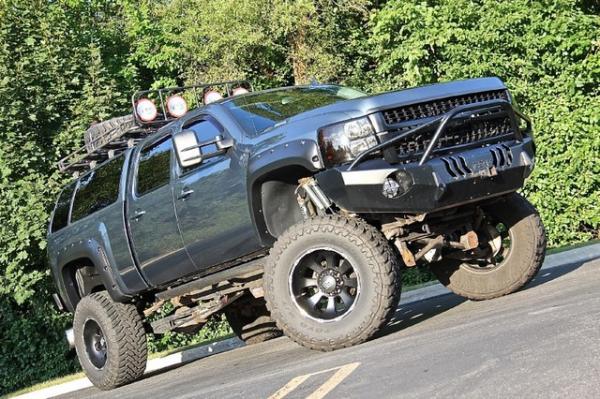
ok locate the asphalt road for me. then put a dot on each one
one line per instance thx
(543, 341)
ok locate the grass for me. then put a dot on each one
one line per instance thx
(168, 352)
(417, 286)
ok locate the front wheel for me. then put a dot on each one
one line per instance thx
(331, 282)
(512, 244)
(110, 341)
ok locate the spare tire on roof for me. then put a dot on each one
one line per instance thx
(101, 133)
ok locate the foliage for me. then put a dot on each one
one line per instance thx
(32, 344)
(547, 52)
(216, 327)
(67, 63)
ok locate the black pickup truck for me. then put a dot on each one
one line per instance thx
(290, 210)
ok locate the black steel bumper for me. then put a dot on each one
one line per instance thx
(438, 183)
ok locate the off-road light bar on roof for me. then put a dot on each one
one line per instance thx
(169, 104)
(151, 110)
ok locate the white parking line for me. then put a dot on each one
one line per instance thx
(339, 376)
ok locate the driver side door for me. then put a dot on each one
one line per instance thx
(211, 201)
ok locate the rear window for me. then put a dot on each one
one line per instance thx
(98, 189)
(61, 212)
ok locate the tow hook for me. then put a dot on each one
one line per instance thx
(70, 336)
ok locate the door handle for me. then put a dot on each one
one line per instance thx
(137, 214)
(186, 192)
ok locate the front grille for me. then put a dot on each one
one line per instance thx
(463, 132)
(438, 107)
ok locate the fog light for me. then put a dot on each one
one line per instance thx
(391, 188)
(397, 184)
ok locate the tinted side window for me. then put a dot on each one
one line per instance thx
(206, 130)
(61, 212)
(98, 189)
(154, 167)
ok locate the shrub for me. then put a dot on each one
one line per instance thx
(547, 52)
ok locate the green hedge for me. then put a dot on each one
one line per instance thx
(67, 63)
(547, 52)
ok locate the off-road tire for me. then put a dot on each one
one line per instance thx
(125, 337)
(251, 321)
(527, 251)
(370, 254)
(101, 133)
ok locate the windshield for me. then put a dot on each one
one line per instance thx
(259, 111)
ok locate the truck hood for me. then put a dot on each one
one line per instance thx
(369, 104)
(305, 126)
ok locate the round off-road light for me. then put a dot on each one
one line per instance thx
(176, 106)
(239, 90)
(211, 96)
(146, 110)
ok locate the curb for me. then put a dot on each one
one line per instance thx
(153, 365)
(568, 257)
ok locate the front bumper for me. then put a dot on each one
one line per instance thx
(439, 183)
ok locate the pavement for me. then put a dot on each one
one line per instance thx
(543, 341)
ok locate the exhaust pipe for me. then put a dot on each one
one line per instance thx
(70, 336)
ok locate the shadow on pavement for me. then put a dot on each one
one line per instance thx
(413, 313)
(546, 275)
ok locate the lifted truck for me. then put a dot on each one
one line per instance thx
(340, 189)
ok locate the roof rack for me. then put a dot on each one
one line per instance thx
(115, 141)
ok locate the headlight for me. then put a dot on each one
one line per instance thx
(342, 142)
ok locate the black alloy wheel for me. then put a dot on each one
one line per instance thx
(324, 284)
(331, 282)
(95, 343)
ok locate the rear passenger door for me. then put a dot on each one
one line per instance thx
(157, 243)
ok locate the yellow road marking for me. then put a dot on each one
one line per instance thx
(333, 381)
(341, 373)
(289, 387)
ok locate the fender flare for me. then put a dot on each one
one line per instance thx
(94, 251)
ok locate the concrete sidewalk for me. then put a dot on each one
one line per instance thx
(561, 259)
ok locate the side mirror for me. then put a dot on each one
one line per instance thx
(187, 148)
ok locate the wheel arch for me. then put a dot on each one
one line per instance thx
(84, 271)
(80, 279)
(273, 201)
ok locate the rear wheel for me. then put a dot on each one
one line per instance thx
(331, 282)
(110, 341)
(251, 321)
(511, 252)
